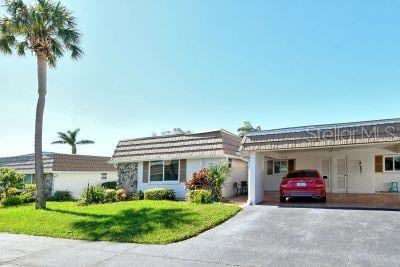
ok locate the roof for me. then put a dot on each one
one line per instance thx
(327, 135)
(53, 162)
(181, 146)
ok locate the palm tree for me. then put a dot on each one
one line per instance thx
(70, 138)
(247, 128)
(48, 30)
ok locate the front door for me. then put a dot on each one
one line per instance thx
(340, 183)
(325, 169)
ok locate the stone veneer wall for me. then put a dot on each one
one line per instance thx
(127, 176)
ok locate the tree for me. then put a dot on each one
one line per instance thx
(172, 132)
(247, 128)
(10, 178)
(70, 138)
(48, 30)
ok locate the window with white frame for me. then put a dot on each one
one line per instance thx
(392, 163)
(280, 166)
(167, 170)
(104, 176)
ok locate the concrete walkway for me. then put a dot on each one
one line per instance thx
(258, 236)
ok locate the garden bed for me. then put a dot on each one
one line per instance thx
(149, 222)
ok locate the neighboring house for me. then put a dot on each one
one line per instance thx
(360, 157)
(64, 171)
(169, 161)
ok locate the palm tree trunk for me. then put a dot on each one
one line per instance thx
(40, 179)
(74, 149)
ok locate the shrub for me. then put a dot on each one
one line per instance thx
(110, 195)
(216, 177)
(122, 195)
(198, 180)
(62, 196)
(27, 197)
(11, 201)
(138, 196)
(199, 196)
(10, 178)
(110, 185)
(159, 194)
(30, 187)
(12, 191)
(93, 194)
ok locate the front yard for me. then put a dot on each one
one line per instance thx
(149, 222)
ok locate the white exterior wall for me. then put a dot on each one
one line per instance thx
(365, 181)
(256, 178)
(193, 165)
(239, 172)
(76, 181)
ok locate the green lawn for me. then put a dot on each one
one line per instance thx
(150, 222)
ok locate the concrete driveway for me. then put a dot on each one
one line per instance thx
(259, 235)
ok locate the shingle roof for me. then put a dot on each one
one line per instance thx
(315, 136)
(59, 162)
(194, 145)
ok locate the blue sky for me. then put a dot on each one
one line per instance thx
(202, 65)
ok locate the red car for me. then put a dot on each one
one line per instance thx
(303, 183)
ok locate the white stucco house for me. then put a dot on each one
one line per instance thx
(169, 161)
(64, 171)
(358, 157)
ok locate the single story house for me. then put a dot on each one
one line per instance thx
(169, 161)
(358, 157)
(64, 171)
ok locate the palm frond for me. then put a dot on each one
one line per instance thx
(76, 52)
(21, 47)
(59, 142)
(85, 142)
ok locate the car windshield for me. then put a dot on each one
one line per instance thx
(303, 174)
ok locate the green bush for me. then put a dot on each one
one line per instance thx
(30, 187)
(11, 201)
(199, 196)
(93, 194)
(12, 191)
(10, 178)
(62, 196)
(27, 197)
(122, 195)
(159, 194)
(138, 196)
(110, 185)
(110, 195)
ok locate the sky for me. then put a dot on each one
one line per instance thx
(151, 66)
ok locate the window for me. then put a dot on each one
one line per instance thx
(28, 179)
(104, 176)
(171, 170)
(167, 170)
(156, 171)
(392, 163)
(229, 163)
(280, 166)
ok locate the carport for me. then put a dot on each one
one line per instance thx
(361, 160)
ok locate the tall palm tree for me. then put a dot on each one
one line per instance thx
(48, 30)
(70, 138)
(247, 128)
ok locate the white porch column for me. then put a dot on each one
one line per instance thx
(256, 178)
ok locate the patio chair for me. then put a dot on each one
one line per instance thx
(243, 185)
(237, 189)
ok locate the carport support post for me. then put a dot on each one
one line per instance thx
(256, 178)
